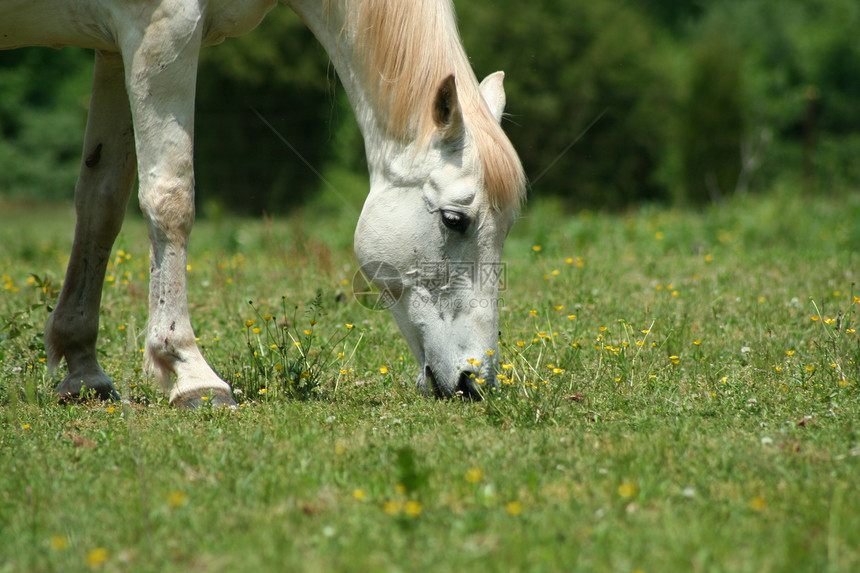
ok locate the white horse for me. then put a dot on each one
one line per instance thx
(445, 182)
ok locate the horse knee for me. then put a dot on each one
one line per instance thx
(169, 207)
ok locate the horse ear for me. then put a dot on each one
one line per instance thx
(446, 110)
(493, 90)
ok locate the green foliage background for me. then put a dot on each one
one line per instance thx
(696, 101)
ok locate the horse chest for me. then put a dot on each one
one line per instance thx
(226, 18)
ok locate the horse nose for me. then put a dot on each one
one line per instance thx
(467, 386)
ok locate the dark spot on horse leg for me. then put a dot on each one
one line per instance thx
(93, 158)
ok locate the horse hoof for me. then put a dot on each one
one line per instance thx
(206, 398)
(103, 394)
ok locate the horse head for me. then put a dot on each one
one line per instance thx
(430, 238)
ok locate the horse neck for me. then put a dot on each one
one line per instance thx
(328, 20)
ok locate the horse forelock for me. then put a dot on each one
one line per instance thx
(406, 48)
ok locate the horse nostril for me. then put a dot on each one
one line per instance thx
(467, 387)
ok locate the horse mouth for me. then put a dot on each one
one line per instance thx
(466, 388)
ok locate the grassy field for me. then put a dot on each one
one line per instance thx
(679, 392)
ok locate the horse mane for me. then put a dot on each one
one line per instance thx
(409, 47)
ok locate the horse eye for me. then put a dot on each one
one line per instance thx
(455, 221)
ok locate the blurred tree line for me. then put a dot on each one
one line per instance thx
(610, 103)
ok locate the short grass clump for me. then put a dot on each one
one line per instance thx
(677, 391)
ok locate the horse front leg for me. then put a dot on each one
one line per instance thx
(101, 197)
(161, 68)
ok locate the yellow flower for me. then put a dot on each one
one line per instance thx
(571, 316)
(627, 490)
(757, 503)
(177, 499)
(97, 557)
(490, 352)
(514, 508)
(392, 507)
(413, 508)
(537, 248)
(697, 342)
(307, 332)
(358, 494)
(249, 323)
(533, 312)
(814, 318)
(789, 352)
(58, 542)
(569, 260)
(255, 330)
(25, 426)
(350, 326)
(383, 369)
(262, 391)
(507, 366)
(709, 258)
(474, 475)
(474, 362)
(659, 235)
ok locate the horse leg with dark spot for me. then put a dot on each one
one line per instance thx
(101, 196)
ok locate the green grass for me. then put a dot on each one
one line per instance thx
(680, 394)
